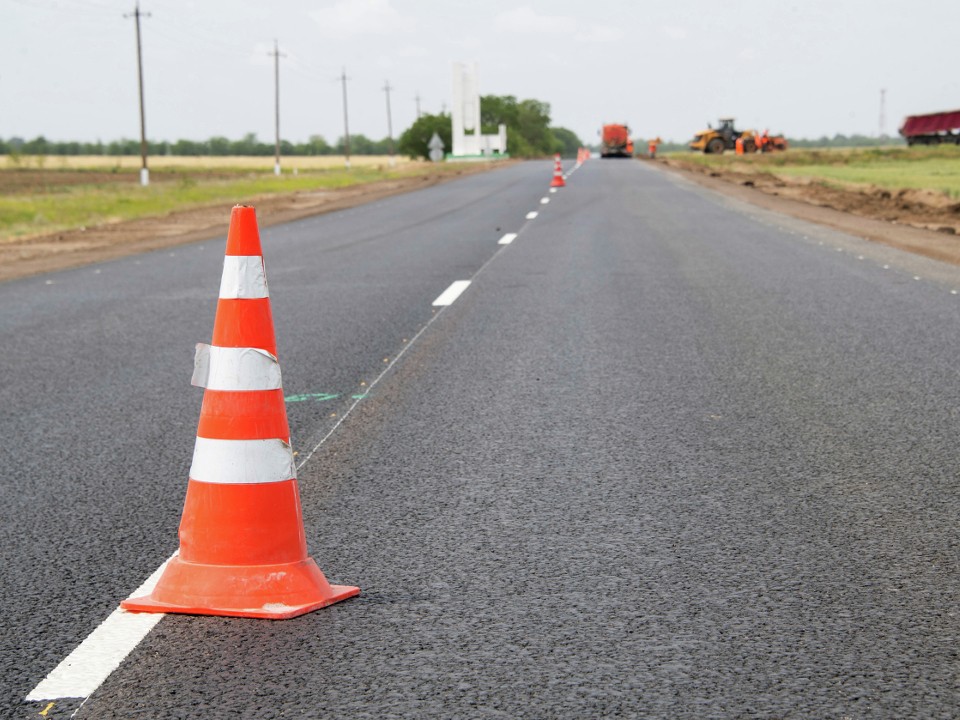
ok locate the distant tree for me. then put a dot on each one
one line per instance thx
(124, 147)
(219, 146)
(37, 146)
(527, 121)
(187, 148)
(359, 145)
(566, 141)
(316, 146)
(413, 142)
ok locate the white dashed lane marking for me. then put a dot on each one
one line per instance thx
(451, 293)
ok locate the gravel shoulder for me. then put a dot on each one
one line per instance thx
(917, 221)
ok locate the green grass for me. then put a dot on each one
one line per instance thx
(934, 168)
(60, 207)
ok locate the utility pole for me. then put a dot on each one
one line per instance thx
(346, 123)
(883, 113)
(276, 54)
(144, 172)
(417, 100)
(387, 89)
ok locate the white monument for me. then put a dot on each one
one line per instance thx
(468, 143)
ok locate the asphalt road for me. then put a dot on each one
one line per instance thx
(667, 456)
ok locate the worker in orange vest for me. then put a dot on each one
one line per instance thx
(739, 146)
(764, 140)
(652, 148)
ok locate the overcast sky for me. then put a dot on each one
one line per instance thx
(802, 67)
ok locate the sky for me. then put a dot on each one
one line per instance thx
(805, 68)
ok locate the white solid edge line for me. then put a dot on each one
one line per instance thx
(507, 239)
(243, 278)
(531, 215)
(235, 368)
(84, 670)
(451, 293)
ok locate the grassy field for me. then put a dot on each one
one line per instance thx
(44, 195)
(934, 168)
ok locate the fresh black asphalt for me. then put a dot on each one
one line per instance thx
(665, 457)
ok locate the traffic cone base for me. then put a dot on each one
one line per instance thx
(288, 590)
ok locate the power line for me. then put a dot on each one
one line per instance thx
(144, 172)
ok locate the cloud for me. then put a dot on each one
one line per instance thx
(526, 20)
(412, 51)
(262, 53)
(349, 18)
(600, 34)
(674, 32)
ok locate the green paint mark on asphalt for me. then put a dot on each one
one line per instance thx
(317, 397)
(358, 397)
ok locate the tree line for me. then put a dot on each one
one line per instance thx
(218, 146)
(528, 135)
(521, 142)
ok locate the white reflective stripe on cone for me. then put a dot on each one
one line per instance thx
(243, 278)
(242, 461)
(229, 368)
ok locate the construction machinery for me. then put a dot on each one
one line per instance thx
(725, 137)
(615, 141)
(715, 140)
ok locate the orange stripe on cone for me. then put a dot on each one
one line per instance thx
(253, 415)
(244, 323)
(243, 551)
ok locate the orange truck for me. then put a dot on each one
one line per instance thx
(615, 141)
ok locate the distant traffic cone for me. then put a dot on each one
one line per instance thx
(243, 551)
(558, 180)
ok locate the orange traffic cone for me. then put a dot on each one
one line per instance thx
(558, 180)
(243, 552)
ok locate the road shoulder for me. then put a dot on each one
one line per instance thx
(929, 243)
(84, 246)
